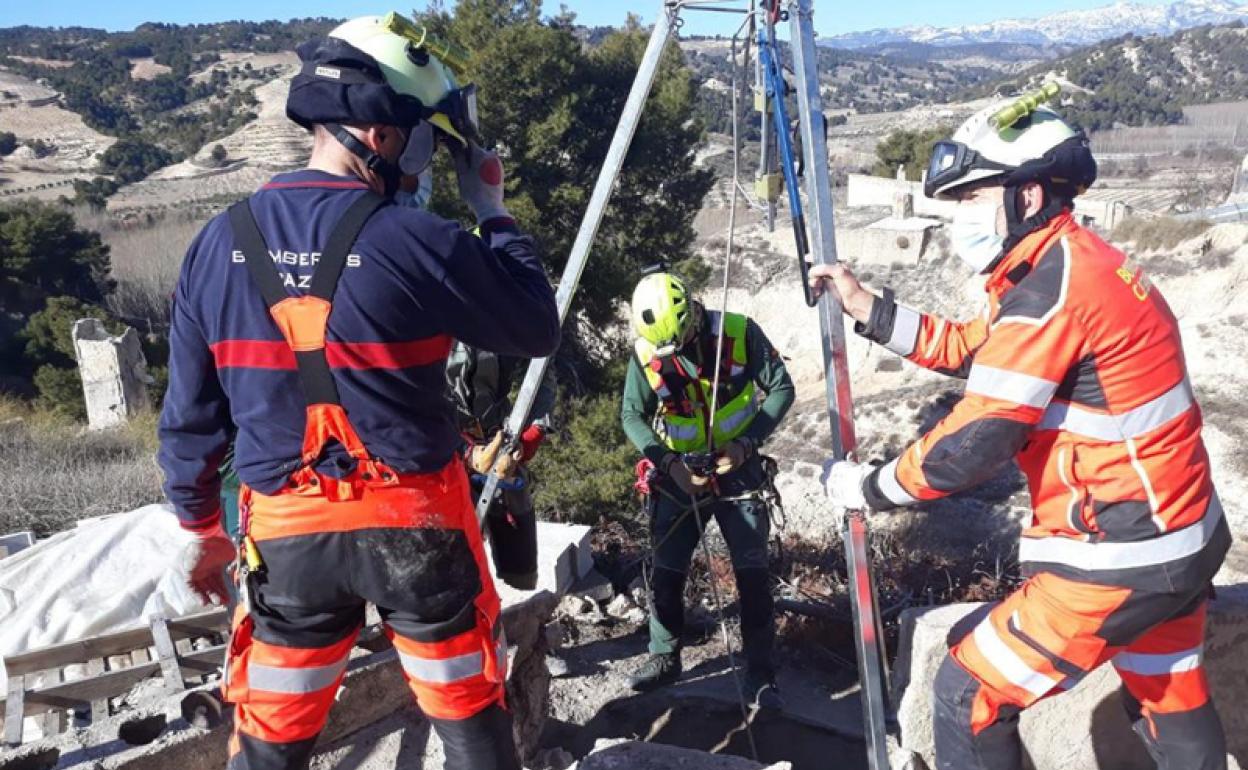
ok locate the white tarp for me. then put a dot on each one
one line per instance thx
(106, 575)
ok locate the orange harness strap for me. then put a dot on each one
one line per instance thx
(303, 321)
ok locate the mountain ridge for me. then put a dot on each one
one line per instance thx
(1080, 27)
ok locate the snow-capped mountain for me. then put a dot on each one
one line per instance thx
(1070, 27)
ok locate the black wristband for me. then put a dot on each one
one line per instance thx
(872, 493)
(879, 326)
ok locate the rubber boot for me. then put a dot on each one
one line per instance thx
(656, 671)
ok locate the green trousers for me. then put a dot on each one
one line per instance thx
(745, 525)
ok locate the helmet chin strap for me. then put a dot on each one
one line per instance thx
(1019, 226)
(390, 173)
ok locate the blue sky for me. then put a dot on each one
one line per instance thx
(839, 17)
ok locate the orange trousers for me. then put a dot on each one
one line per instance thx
(413, 548)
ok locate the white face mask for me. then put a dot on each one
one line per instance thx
(420, 197)
(974, 234)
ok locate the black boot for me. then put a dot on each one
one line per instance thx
(656, 671)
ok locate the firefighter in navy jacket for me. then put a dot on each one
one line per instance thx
(314, 320)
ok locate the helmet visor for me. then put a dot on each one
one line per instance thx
(950, 162)
(418, 151)
(460, 108)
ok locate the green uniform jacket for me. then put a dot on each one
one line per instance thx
(764, 365)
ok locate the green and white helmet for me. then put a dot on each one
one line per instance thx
(1034, 146)
(409, 69)
(385, 71)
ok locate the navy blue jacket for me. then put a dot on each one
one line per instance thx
(413, 282)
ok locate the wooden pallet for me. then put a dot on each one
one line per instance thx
(115, 663)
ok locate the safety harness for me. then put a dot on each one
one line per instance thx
(689, 412)
(303, 321)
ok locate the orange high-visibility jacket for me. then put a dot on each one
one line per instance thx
(1077, 371)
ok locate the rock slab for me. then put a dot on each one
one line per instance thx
(637, 755)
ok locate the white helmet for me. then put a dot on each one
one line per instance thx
(1012, 143)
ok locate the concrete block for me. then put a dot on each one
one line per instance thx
(563, 558)
(1087, 727)
(595, 586)
(114, 373)
(887, 242)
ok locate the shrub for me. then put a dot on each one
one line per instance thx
(912, 149)
(8, 143)
(130, 160)
(1159, 233)
(60, 392)
(585, 472)
(40, 148)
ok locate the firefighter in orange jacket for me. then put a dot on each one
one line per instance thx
(1076, 371)
(312, 324)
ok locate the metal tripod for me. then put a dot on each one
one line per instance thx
(821, 243)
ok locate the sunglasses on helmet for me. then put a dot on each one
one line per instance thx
(953, 160)
(460, 109)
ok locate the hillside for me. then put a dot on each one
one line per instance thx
(1080, 27)
(1147, 81)
(168, 89)
(854, 82)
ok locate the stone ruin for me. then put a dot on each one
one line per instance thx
(114, 373)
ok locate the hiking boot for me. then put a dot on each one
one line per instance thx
(761, 691)
(656, 671)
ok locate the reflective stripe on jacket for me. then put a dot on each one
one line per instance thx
(685, 399)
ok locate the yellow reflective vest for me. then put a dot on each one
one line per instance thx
(685, 398)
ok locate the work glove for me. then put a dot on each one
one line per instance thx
(483, 458)
(843, 481)
(204, 560)
(686, 480)
(480, 175)
(530, 440)
(733, 455)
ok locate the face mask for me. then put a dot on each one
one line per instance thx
(974, 234)
(420, 197)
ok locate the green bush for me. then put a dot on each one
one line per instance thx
(49, 333)
(44, 254)
(40, 148)
(130, 160)
(913, 149)
(94, 194)
(60, 391)
(585, 471)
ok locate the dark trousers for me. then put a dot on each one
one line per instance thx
(745, 525)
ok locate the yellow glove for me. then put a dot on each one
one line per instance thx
(731, 457)
(483, 454)
(483, 457)
(688, 482)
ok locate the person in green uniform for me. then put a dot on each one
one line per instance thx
(714, 458)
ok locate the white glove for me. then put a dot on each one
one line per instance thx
(204, 560)
(842, 481)
(480, 175)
